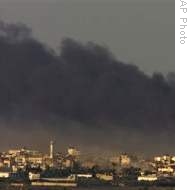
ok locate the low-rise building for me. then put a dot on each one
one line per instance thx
(35, 159)
(124, 160)
(84, 175)
(73, 152)
(33, 176)
(105, 177)
(166, 169)
(151, 177)
(5, 172)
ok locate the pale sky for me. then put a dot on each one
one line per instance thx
(138, 31)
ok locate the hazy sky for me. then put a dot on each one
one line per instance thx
(139, 31)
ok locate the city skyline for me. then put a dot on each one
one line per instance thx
(71, 169)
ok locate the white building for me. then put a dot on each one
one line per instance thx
(105, 177)
(14, 152)
(5, 173)
(84, 175)
(166, 169)
(124, 160)
(152, 177)
(35, 159)
(157, 159)
(73, 151)
(33, 176)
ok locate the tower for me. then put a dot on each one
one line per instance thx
(51, 149)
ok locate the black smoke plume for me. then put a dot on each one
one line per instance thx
(82, 94)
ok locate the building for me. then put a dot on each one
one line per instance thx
(14, 152)
(7, 162)
(124, 160)
(73, 152)
(151, 177)
(84, 175)
(68, 162)
(5, 173)
(157, 159)
(165, 159)
(165, 165)
(20, 159)
(33, 176)
(166, 170)
(105, 177)
(35, 159)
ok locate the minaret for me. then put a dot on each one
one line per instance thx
(51, 149)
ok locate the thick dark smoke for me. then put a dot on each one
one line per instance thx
(83, 96)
